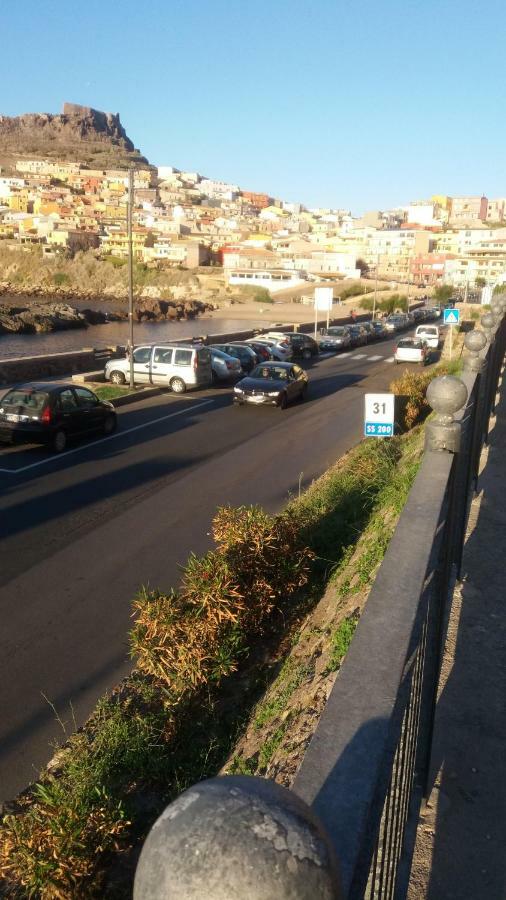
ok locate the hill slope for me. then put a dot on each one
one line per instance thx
(79, 134)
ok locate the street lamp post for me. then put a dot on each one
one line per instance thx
(130, 274)
(375, 288)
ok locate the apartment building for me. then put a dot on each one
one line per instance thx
(468, 209)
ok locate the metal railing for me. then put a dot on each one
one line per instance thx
(347, 827)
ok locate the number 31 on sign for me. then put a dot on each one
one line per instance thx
(379, 413)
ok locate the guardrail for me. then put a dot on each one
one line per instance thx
(347, 827)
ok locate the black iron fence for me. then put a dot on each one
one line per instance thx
(347, 827)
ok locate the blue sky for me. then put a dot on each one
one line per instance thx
(354, 104)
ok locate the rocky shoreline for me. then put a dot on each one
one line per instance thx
(35, 314)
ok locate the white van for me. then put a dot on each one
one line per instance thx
(429, 334)
(176, 366)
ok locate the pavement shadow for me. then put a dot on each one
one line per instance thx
(459, 851)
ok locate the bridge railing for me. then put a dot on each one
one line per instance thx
(346, 828)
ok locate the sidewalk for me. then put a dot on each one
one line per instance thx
(460, 850)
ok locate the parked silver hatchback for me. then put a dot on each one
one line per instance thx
(179, 367)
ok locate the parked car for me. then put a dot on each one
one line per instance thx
(272, 384)
(368, 327)
(429, 334)
(280, 351)
(337, 337)
(53, 414)
(419, 314)
(393, 324)
(224, 366)
(411, 350)
(358, 335)
(261, 350)
(176, 366)
(303, 345)
(379, 327)
(243, 352)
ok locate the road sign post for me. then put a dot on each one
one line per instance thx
(379, 415)
(451, 317)
(323, 297)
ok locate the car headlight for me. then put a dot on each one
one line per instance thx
(273, 394)
(238, 390)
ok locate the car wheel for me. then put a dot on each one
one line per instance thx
(214, 377)
(302, 395)
(283, 401)
(306, 353)
(117, 377)
(110, 424)
(178, 385)
(59, 441)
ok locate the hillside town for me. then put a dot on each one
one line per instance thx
(183, 219)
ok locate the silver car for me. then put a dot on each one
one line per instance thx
(224, 366)
(177, 366)
(280, 349)
(336, 338)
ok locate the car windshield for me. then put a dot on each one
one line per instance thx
(413, 345)
(26, 398)
(274, 373)
(337, 332)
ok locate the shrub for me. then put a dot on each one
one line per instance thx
(60, 278)
(412, 386)
(186, 639)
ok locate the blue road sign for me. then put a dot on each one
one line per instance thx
(451, 316)
(378, 429)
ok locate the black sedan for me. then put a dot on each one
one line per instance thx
(272, 384)
(40, 413)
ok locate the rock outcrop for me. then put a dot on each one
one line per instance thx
(80, 134)
(43, 318)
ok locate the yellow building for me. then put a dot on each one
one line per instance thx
(442, 200)
(18, 203)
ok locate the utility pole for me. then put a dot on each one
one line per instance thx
(375, 288)
(130, 274)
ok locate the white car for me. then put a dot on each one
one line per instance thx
(429, 334)
(280, 349)
(411, 350)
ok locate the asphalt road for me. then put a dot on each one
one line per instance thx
(82, 532)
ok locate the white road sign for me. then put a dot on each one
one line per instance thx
(379, 415)
(323, 298)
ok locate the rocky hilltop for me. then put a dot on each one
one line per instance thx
(79, 134)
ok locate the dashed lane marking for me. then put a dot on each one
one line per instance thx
(112, 437)
(374, 358)
(359, 356)
(390, 360)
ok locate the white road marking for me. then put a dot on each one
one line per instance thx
(374, 358)
(390, 360)
(111, 437)
(359, 356)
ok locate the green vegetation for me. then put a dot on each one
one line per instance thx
(86, 271)
(388, 305)
(258, 294)
(412, 388)
(443, 293)
(340, 641)
(60, 278)
(354, 290)
(110, 391)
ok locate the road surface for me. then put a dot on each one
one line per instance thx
(82, 532)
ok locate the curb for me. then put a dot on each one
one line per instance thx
(134, 398)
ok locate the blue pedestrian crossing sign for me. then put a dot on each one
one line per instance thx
(451, 316)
